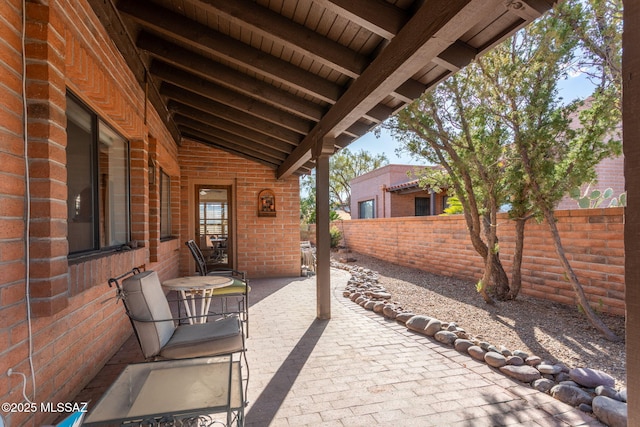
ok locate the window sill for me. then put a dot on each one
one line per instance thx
(90, 256)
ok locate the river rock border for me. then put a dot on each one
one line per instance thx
(590, 390)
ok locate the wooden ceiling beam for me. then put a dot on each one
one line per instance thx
(273, 26)
(235, 129)
(217, 134)
(378, 16)
(456, 56)
(225, 96)
(433, 28)
(239, 151)
(182, 97)
(178, 27)
(215, 72)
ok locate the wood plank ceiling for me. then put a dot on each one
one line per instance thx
(269, 80)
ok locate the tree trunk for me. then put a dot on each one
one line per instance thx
(595, 321)
(516, 268)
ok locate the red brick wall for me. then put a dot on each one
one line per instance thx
(266, 246)
(593, 240)
(76, 326)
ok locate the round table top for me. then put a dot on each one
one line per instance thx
(197, 282)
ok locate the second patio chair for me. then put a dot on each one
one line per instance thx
(238, 289)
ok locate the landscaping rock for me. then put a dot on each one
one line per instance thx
(417, 323)
(446, 337)
(389, 311)
(585, 408)
(515, 361)
(571, 395)
(610, 411)
(521, 353)
(622, 395)
(433, 326)
(495, 359)
(549, 369)
(543, 385)
(603, 390)
(462, 345)
(369, 305)
(591, 378)
(523, 373)
(378, 307)
(476, 352)
(404, 317)
(532, 360)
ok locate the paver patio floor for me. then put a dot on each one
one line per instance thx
(359, 369)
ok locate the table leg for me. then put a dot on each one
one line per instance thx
(185, 301)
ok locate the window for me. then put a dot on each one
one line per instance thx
(165, 205)
(423, 206)
(365, 209)
(97, 182)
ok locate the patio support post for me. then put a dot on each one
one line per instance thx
(323, 240)
(631, 140)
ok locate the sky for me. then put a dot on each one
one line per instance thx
(575, 86)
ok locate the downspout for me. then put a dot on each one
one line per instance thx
(384, 200)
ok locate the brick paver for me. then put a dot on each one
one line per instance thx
(359, 369)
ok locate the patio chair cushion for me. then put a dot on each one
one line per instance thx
(149, 310)
(238, 287)
(206, 339)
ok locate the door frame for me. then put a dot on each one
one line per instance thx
(233, 233)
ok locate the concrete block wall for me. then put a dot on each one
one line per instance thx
(593, 240)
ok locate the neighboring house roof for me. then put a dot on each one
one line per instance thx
(405, 187)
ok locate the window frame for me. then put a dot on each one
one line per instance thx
(427, 207)
(97, 216)
(169, 225)
(373, 209)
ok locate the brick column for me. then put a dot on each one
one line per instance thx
(140, 191)
(45, 47)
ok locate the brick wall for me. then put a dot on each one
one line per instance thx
(76, 325)
(593, 240)
(265, 246)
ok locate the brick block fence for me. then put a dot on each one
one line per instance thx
(593, 241)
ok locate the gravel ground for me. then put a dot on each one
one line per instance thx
(552, 331)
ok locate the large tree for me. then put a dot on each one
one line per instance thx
(501, 133)
(343, 167)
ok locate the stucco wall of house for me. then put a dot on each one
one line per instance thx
(370, 186)
(76, 325)
(592, 238)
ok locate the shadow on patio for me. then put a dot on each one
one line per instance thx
(360, 369)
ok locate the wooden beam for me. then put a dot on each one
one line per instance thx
(201, 37)
(378, 16)
(433, 28)
(224, 146)
(238, 143)
(273, 26)
(213, 71)
(235, 129)
(456, 56)
(182, 98)
(233, 99)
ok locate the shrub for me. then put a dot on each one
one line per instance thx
(336, 236)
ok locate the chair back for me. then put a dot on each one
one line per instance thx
(201, 264)
(149, 311)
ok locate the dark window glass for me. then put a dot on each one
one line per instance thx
(366, 209)
(97, 182)
(422, 206)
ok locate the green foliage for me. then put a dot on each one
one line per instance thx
(343, 167)
(336, 236)
(454, 206)
(595, 198)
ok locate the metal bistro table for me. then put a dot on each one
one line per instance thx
(188, 392)
(192, 288)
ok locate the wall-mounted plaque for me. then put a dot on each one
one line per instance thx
(267, 203)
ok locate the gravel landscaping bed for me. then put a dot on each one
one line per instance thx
(557, 333)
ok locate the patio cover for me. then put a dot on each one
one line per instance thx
(270, 80)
